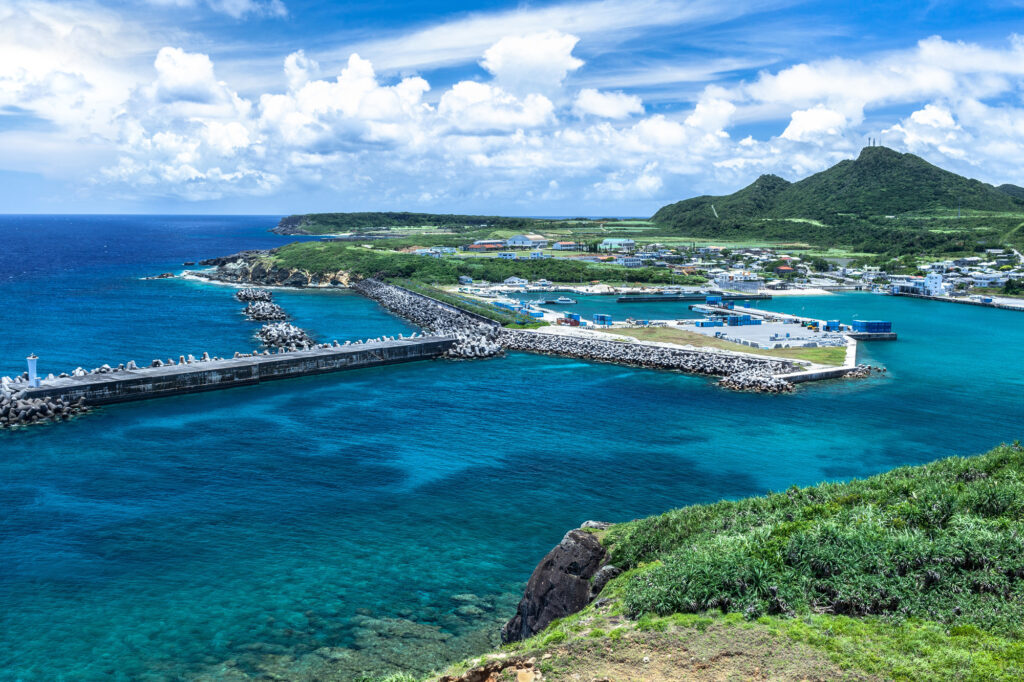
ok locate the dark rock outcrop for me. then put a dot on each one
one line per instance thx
(291, 225)
(559, 586)
(254, 267)
(233, 258)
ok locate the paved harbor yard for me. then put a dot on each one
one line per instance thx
(762, 334)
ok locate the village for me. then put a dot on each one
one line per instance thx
(996, 277)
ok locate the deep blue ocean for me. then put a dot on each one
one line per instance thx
(354, 517)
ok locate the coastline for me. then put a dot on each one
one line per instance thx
(199, 276)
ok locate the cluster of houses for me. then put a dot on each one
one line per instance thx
(754, 269)
(950, 277)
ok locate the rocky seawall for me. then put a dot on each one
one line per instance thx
(17, 409)
(255, 267)
(737, 372)
(475, 338)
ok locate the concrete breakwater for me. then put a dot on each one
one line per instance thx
(475, 336)
(161, 380)
(738, 372)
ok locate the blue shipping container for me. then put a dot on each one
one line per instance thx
(872, 326)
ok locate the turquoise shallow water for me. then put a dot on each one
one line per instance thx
(157, 540)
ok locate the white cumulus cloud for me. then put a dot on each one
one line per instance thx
(607, 104)
(471, 106)
(808, 125)
(535, 63)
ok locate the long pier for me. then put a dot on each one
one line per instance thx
(159, 382)
(964, 301)
(657, 298)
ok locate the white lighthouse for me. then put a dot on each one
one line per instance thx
(33, 379)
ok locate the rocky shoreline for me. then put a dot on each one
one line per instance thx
(291, 225)
(254, 268)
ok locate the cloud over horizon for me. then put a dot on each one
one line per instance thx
(523, 129)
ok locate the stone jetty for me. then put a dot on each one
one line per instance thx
(738, 372)
(479, 337)
(476, 336)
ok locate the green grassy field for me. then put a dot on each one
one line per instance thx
(332, 257)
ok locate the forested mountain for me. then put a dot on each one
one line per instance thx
(1013, 190)
(882, 200)
(329, 223)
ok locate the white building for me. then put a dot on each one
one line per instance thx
(988, 279)
(515, 281)
(629, 261)
(526, 241)
(743, 282)
(616, 244)
(933, 284)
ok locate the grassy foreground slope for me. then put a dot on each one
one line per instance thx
(915, 574)
(883, 201)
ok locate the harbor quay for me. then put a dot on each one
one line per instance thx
(984, 302)
(768, 329)
(125, 385)
(695, 296)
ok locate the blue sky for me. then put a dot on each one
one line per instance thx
(604, 107)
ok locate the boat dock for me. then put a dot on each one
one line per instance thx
(964, 301)
(169, 380)
(658, 298)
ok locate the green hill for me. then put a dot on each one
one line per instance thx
(884, 200)
(332, 223)
(1014, 191)
(914, 574)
